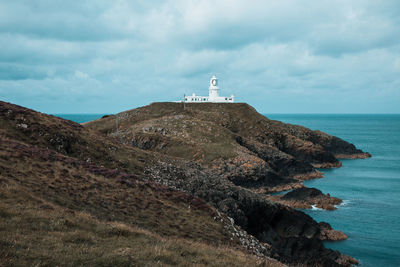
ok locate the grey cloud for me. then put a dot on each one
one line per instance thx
(63, 54)
(64, 20)
(17, 72)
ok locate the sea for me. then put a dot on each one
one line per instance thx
(370, 188)
(80, 118)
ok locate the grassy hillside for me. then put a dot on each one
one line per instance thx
(230, 146)
(157, 191)
(232, 139)
(35, 232)
(71, 196)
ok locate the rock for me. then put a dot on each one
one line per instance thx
(291, 235)
(303, 193)
(229, 155)
(306, 198)
(22, 125)
(244, 146)
(327, 233)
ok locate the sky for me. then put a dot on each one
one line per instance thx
(299, 56)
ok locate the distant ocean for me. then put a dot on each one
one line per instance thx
(80, 118)
(370, 188)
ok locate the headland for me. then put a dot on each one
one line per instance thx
(199, 172)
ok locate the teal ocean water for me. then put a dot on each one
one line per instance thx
(80, 118)
(370, 188)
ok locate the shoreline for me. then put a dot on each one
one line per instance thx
(321, 201)
(253, 153)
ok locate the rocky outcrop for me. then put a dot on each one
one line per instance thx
(231, 156)
(233, 140)
(307, 198)
(291, 235)
(327, 233)
(285, 165)
(218, 155)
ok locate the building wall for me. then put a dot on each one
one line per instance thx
(202, 99)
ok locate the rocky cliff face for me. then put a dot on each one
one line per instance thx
(196, 173)
(289, 235)
(230, 155)
(65, 189)
(306, 198)
(233, 140)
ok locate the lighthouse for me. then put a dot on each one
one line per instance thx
(213, 90)
(213, 95)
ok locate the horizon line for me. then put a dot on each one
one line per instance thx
(300, 113)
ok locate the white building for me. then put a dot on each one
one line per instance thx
(213, 95)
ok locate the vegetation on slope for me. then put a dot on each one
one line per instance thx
(234, 145)
(71, 196)
(35, 232)
(232, 139)
(115, 176)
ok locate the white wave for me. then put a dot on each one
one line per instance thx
(313, 207)
(344, 203)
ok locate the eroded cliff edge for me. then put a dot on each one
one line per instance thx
(70, 195)
(232, 140)
(55, 165)
(230, 155)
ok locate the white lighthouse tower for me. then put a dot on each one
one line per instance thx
(213, 95)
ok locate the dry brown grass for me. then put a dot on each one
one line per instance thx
(104, 194)
(57, 210)
(34, 232)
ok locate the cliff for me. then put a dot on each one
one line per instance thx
(219, 151)
(174, 175)
(71, 196)
(233, 140)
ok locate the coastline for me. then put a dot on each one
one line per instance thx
(243, 148)
(358, 130)
(217, 154)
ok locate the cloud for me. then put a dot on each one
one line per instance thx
(105, 56)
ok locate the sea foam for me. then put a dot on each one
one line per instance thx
(313, 207)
